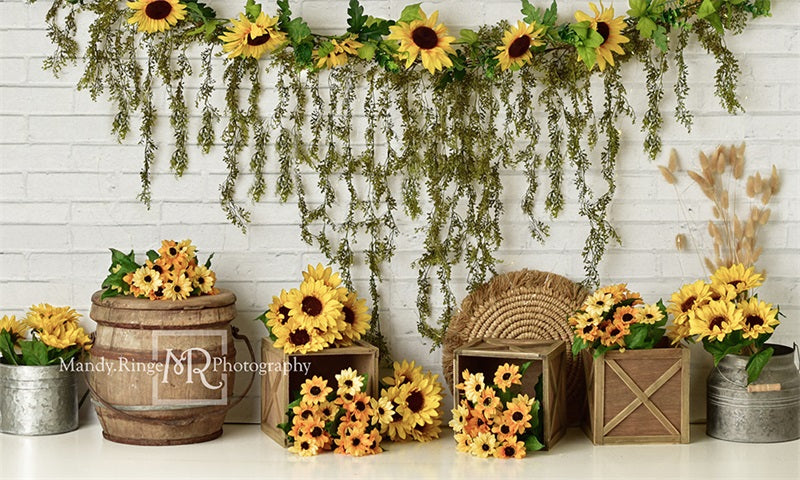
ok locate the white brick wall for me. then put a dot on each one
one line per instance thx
(68, 189)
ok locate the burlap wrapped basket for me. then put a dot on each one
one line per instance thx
(527, 304)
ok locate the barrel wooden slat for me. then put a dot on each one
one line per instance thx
(135, 401)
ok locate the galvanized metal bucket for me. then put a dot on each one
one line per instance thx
(37, 400)
(768, 411)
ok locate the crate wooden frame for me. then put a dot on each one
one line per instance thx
(638, 391)
(549, 353)
(275, 386)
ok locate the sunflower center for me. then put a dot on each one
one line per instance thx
(735, 283)
(348, 383)
(356, 442)
(396, 417)
(688, 303)
(603, 29)
(148, 278)
(517, 416)
(487, 401)
(158, 269)
(614, 331)
(627, 318)
(159, 292)
(172, 250)
(480, 422)
(285, 314)
(505, 429)
(753, 321)
(425, 37)
(348, 397)
(312, 306)
(315, 390)
(305, 445)
(519, 47)
(300, 337)
(306, 414)
(259, 40)
(509, 451)
(381, 411)
(316, 432)
(506, 376)
(158, 10)
(485, 447)
(587, 329)
(177, 288)
(361, 406)
(415, 401)
(716, 322)
(201, 280)
(349, 316)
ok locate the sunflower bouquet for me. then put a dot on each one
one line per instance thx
(495, 420)
(726, 317)
(47, 336)
(171, 273)
(613, 317)
(318, 314)
(410, 404)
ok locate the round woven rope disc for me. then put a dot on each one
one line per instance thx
(526, 304)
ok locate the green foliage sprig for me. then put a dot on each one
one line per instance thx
(433, 145)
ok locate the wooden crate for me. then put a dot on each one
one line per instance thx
(277, 386)
(638, 396)
(548, 359)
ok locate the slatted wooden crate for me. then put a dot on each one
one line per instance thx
(278, 387)
(547, 359)
(638, 396)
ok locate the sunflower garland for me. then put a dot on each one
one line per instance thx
(615, 318)
(341, 417)
(726, 317)
(425, 165)
(170, 273)
(318, 314)
(499, 421)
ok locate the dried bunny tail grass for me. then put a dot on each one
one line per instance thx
(764, 217)
(750, 229)
(667, 174)
(765, 198)
(703, 161)
(673, 164)
(680, 242)
(699, 180)
(738, 163)
(737, 227)
(709, 264)
(723, 200)
(774, 180)
(758, 183)
(751, 188)
(721, 161)
(715, 212)
(732, 155)
(754, 213)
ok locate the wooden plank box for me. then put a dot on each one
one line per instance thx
(638, 396)
(547, 359)
(278, 384)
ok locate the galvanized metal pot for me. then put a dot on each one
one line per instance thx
(737, 414)
(37, 400)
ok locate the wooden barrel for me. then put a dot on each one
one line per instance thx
(158, 368)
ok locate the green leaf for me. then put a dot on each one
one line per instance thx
(550, 15)
(757, 363)
(578, 344)
(638, 8)
(284, 14)
(646, 27)
(375, 29)
(367, 51)
(468, 37)
(708, 12)
(588, 55)
(208, 260)
(533, 444)
(199, 12)
(298, 30)
(7, 349)
(252, 10)
(303, 53)
(661, 39)
(356, 18)
(152, 255)
(34, 352)
(530, 13)
(410, 13)
(524, 367)
(731, 344)
(637, 339)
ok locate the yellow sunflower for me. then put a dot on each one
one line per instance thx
(13, 326)
(337, 56)
(171, 256)
(375, 438)
(314, 305)
(328, 411)
(678, 332)
(598, 303)
(298, 340)
(356, 318)
(426, 39)
(383, 412)
(463, 442)
(625, 314)
(400, 427)
(459, 419)
(609, 28)
(488, 403)
(146, 279)
(178, 287)
(404, 373)
(203, 279)
(304, 411)
(63, 336)
(716, 320)
(359, 407)
(618, 291)
(506, 376)
(357, 443)
(252, 39)
(315, 389)
(614, 333)
(304, 446)
(683, 302)
(585, 326)
(759, 318)
(186, 247)
(517, 42)
(46, 316)
(156, 15)
(426, 433)
(419, 401)
(742, 279)
(649, 314)
(473, 385)
(349, 382)
(518, 414)
(510, 448)
(278, 313)
(503, 430)
(483, 445)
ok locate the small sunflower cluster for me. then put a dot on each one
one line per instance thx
(724, 316)
(318, 314)
(495, 420)
(410, 404)
(171, 273)
(613, 317)
(54, 333)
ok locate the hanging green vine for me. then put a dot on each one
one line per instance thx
(356, 122)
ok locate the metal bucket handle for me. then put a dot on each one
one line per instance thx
(181, 421)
